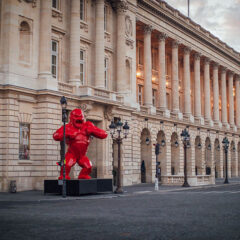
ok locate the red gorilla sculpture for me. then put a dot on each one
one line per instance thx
(77, 135)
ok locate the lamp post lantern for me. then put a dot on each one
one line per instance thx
(122, 132)
(157, 151)
(225, 143)
(63, 102)
(185, 139)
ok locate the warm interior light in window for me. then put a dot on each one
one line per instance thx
(167, 83)
(153, 78)
(138, 74)
(179, 88)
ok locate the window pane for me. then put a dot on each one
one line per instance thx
(54, 46)
(82, 9)
(81, 55)
(54, 60)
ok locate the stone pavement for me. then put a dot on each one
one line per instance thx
(144, 188)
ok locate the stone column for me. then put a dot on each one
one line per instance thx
(74, 63)
(122, 85)
(224, 97)
(197, 85)
(147, 66)
(231, 99)
(45, 75)
(207, 102)
(237, 92)
(215, 94)
(187, 87)
(99, 45)
(175, 80)
(162, 73)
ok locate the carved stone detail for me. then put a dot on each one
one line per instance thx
(215, 65)
(86, 108)
(148, 29)
(187, 50)
(121, 6)
(128, 26)
(130, 43)
(108, 113)
(84, 26)
(175, 43)
(162, 36)
(57, 14)
(206, 60)
(197, 56)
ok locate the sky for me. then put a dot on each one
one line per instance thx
(220, 17)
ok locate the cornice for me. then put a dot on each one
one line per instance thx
(173, 16)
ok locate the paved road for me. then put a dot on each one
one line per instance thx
(172, 213)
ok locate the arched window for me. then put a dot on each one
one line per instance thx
(24, 44)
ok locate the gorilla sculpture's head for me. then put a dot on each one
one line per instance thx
(77, 118)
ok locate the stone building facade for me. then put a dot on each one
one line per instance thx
(138, 60)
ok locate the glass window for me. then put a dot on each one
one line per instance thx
(54, 58)
(105, 18)
(82, 67)
(140, 55)
(82, 10)
(140, 94)
(154, 59)
(24, 141)
(106, 72)
(55, 4)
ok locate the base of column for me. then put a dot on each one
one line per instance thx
(199, 120)
(188, 117)
(177, 114)
(217, 124)
(151, 110)
(226, 125)
(209, 122)
(234, 128)
(164, 112)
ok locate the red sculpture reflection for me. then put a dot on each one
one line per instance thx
(78, 132)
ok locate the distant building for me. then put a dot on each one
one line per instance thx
(138, 60)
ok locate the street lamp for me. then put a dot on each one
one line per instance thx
(120, 128)
(63, 102)
(225, 143)
(157, 151)
(185, 139)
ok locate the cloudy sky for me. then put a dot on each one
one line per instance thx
(220, 17)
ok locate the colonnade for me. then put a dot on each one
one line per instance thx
(227, 98)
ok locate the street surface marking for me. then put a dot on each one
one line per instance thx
(142, 192)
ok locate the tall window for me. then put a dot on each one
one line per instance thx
(24, 141)
(106, 72)
(55, 4)
(140, 55)
(54, 58)
(154, 97)
(154, 59)
(82, 67)
(140, 94)
(105, 18)
(82, 10)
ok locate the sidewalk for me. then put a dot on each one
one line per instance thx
(33, 196)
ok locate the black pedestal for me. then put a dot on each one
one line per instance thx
(79, 187)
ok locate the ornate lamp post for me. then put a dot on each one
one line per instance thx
(225, 143)
(119, 127)
(185, 138)
(63, 102)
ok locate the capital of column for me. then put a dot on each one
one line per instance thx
(197, 56)
(122, 6)
(206, 61)
(162, 36)
(175, 43)
(148, 29)
(237, 78)
(223, 70)
(230, 74)
(187, 50)
(215, 65)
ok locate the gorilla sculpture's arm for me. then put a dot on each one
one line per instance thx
(58, 135)
(95, 131)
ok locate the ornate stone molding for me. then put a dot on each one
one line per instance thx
(57, 14)
(230, 74)
(148, 29)
(84, 26)
(34, 2)
(162, 36)
(224, 70)
(107, 36)
(215, 65)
